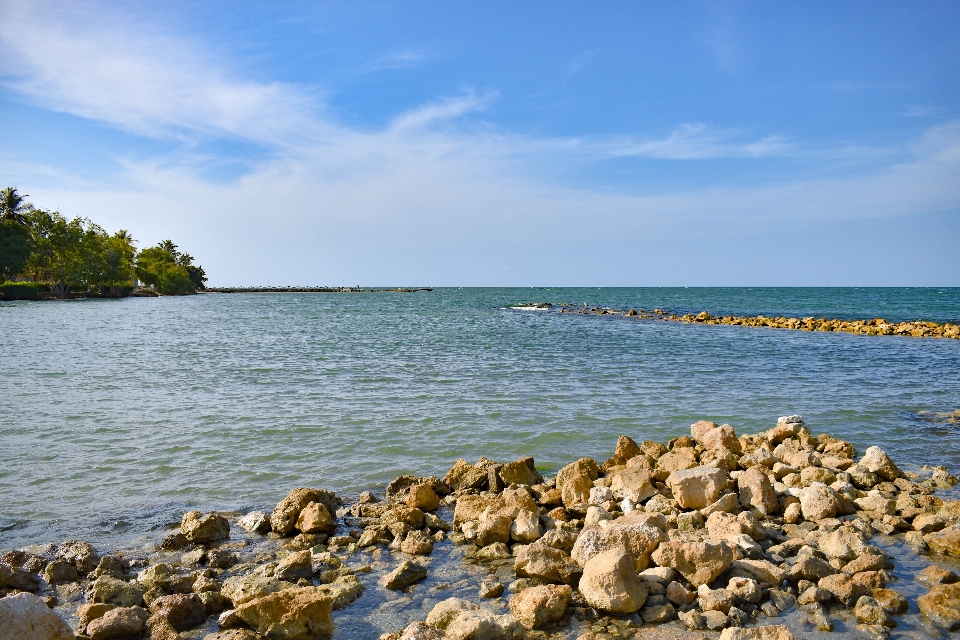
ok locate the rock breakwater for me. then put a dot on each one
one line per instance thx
(757, 536)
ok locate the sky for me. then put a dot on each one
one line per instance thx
(499, 143)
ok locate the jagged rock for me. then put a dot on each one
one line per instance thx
(80, 554)
(610, 583)
(201, 528)
(157, 576)
(241, 589)
(111, 566)
(295, 614)
(408, 573)
(86, 613)
(877, 461)
(810, 568)
(29, 562)
(638, 540)
(469, 508)
(117, 624)
(890, 601)
(526, 527)
(867, 562)
(757, 491)
(491, 589)
(343, 591)
(632, 483)
(537, 607)
(843, 587)
(936, 575)
(417, 543)
(763, 571)
(941, 605)
(463, 475)
(113, 591)
(19, 579)
(547, 564)
(522, 471)
(626, 449)
(945, 542)
(255, 522)
(423, 497)
(296, 565)
(867, 611)
(221, 558)
(680, 595)
(843, 544)
(24, 616)
(769, 632)
(717, 437)
(698, 562)
(493, 526)
(287, 511)
(315, 518)
(698, 487)
(745, 590)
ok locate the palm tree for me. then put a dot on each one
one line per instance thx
(13, 206)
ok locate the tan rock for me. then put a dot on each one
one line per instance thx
(877, 461)
(525, 527)
(464, 475)
(182, 611)
(757, 491)
(406, 574)
(843, 587)
(295, 614)
(522, 471)
(80, 554)
(201, 528)
(637, 540)
(244, 588)
(492, 527)
(582, 466)
(417, 543)
(768, 632)
(764, 572)
(537, 607)
(945, 542)
(298, 564)
(867, 562)
(576, 489)
(113, 591)
(810, 568)
(676, 460)
(315, 518)
(89, 612)
(469, 508)
(547, 564)
(633, 483)
(722, 437)
(423, 497)
(891, 601)
(698, 562)
(928, 523)
(818, 501)
(721, 526)
(626, 449)
(610, 583)
(24, 616)
(941, 605)
(698, 487)
(680, 595)
(843, 544)
(288, 510)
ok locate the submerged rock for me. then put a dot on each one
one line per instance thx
(408, 573)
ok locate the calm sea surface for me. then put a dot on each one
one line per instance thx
(116, 415)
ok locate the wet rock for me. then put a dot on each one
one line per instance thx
(698, 562)
(201, 528)
(80, 554)
(122, 623)
(295, 566)
(638, 540)
(538, 607)
(295, 614)
(89, 612)
(463, 475)
(19, 579)
(29, 562)
(255, 522)
(610, 583)
(56, 572)
(493, 526)
(423, 497)
(495, 551)
(890, 601)
(878, 462)
(469, 508)
(491, 589)
(697, 487)
(945, 542)
(113, 591)
(547, 564)
(157, 576)
(24, 616)
(114, 566)
(417, 543)
(244, 634)
(241, 589)
(769, 632)
(408, 573)
(941, 605)
(862, 477)
(936, 575)
(928, 523)
(522, 471)
(843, 587)
(343, 591)
(221, 558)
(287, 511)
(867, 611)
(814, 594)
(181, 611)
(867, 562)
(315, 518)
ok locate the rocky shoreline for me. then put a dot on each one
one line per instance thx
(770, 535)
(874, 327)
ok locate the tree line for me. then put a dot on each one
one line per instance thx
(42, 248)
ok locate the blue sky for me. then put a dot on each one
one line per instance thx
(429, 143)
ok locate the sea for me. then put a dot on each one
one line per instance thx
(116, 416)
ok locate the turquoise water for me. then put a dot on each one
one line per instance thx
(116, 415)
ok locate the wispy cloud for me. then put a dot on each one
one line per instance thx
(581, 61)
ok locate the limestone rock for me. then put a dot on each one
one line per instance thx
(941, 605)
(493, 526)
(722, 437)
(288, 510)
(201, 528)
(522, 471)
(255, 522)
(80, 554)
(408, 573)
(626, 449)
(818, 501)
(633, 483)
(867, 611)
(296, 565)
(843, 544)
(610, 583)
(417, 543)
(698, 562)
(877, 461)
(769, 632)
(423, 497)
(945, 542)
(891, 601)
(241, 589)
(810, 568)
(547, 564)
(526, 527)
(14, 578)
(537, 607)
(469, 508)
(481, 624)
(680, 595)
(113, 591)
(757, 491)
(315, 518)
(24, 616)
(295, 614)
(638, 540)
(86, 613)
(697, 487)
(181, 611)
(343, 591)
(463, 475)
(843, 587)
(763, 571)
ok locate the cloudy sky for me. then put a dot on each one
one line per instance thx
(485, 143)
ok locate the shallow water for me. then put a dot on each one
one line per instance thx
(116, 415)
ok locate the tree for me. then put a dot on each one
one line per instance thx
(169, 270)
(13, 206)
(15, 247)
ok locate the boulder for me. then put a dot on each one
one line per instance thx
(86, 613)
(24, 616)
(522, 471)
(408, 573)
(867, 562)
(113, 591)
(201, 528)
(698, 487)
(526, 527)
(626, 449)
(80, 554)
(844, 588)
(768, 632)
(638, 540)
(809, 568)
(941, 605)
(287, 511)
(295, 614)
(610, 583)
(945, 542)
(418, 631)
(680, 595)
(547, 564)
(12, 578)
(538, 607)
(343, 591)
(315, 518)
(29, 562)
(877, 461)
(298, 564)
(891, 601)
(255, 522)
(676, 460)
(632, 483)
(469, 508)
(423, 497)
(867, 611)
(763, 571)
(842, 544)
(241, 589)
(757, 491)
(493, 526)
(818, 501)
(481, 624)
(181, 611)
(722, 437)
(698, 562)
(463, 475)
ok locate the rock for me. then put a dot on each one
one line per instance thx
(867, 611)
(12, 578)
(745, 590)
(157, 576)
(862, 478)
(56, 572)
(727, 503)
(763, 571)
(891, 601)
(878, 462)
(936, 575)
(463, 475)
(201, 528)
(941, 606)
(843, 544)
(287, 511)
(722, 437)
(417, 543)
(24, 616)
(818, 501)
(721, 526)
(538, 607)
(255, 522)
(491, 589)
(715, 620)
(80, 554)
(928, 523)
(692, 619)
(295, 614)
(89, 612)
(843, 587)
(769, 632)
(610, 583)
(481, 624)
(241, 589)
(181, 611)
(698, 487)
(111, 566)
(658, 614)
(469, 508)
(547, 564)
(423, 497)
(680, 595)
(698, 562)
(296, 565)
(495, 551)
(492, 527)
(715, 599)
(809, 568)
(638, 540)
(408, 573)
(315, 518)
(343, 591)
(113, 591)
(525, 527)
(626, 449)
(868, 562)
(246, 634)
(660, 575)
(633, 483)
(756, 491)
(945, 542)
(118, 624)
(29, 562)
(522, 471)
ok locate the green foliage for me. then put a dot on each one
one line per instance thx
(14, 206)
(169, 270)
(21, 290)
(15, 246)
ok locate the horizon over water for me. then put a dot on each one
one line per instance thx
(118, 415)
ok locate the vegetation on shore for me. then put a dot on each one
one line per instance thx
(45, 254)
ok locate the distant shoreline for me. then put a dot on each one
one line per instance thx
(310, 290)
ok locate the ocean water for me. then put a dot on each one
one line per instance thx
(117, 415)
